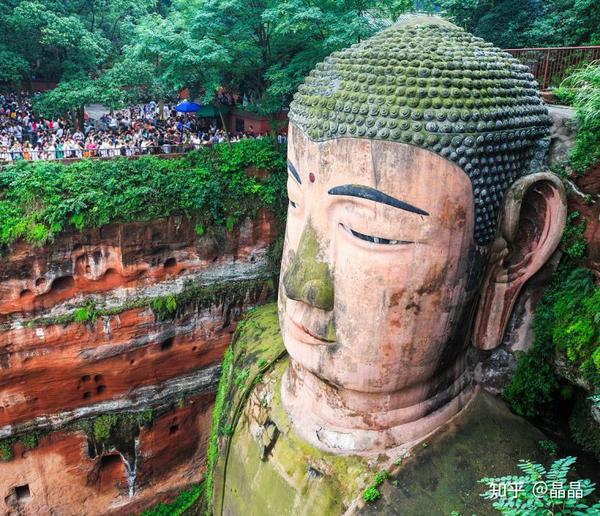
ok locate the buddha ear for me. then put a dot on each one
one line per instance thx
(531, 224)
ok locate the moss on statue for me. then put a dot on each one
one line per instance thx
(260, 466)
(308, 275)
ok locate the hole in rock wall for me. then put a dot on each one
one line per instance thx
(5, 360)
(63, 283)
(111, 273)
(40, 281)
(97, 256)
(98, 378)
(167, 344)
(171, 262)
(101, 389)
(22, 493)
(85, 378)
(173, 429)
(25, 293)
(87, 395)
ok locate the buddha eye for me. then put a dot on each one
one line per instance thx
(293, 204)
(373, 239)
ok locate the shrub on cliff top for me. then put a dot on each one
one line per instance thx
(40, 199)
(584, 85)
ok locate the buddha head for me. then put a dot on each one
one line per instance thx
(415, 216)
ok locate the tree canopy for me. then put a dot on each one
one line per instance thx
(119, 52)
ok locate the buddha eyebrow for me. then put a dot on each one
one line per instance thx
(294, 172)
(366, 192)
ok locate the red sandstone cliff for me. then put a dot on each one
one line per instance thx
(117, 320)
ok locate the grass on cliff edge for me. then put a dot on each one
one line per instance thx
(40, 199)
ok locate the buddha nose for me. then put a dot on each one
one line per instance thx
(307, 277)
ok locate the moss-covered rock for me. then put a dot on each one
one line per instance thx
(263, 467)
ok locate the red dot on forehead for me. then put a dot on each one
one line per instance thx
(311, 177)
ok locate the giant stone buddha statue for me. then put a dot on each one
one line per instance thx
(417, 211)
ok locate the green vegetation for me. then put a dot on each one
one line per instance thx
(30, 440)
(103, 428)
(6, 449)
(184, 501)
(164, 307)
(534, 492)
(87, 313)
(566, 321)
(582, 90)
(218, 417)
(40, 199)
(548, 446)
(121, 52)
(371, 493)
(584, 429)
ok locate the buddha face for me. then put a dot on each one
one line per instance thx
(380, 268)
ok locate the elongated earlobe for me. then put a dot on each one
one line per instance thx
(533, 219)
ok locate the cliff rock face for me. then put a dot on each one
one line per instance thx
(585, 198)
(110, 345)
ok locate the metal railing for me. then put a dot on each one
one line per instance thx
(550, 66)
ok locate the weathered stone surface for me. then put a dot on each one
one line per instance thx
(585, 198)
(562, 133)
(117, 263)
(62, 477)
(124, 356)
(296, 478)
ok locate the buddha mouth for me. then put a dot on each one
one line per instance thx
(303, 334)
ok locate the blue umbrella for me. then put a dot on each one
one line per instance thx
(187, 107)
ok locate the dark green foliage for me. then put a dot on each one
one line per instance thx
(218, 416)
(585, 430)
(549, 447)
(38, 200)
(6, 449)
(506, 22)
(180, 505)
(584, 85)
(107, 427)
(566, 321)
(573, 241)
(30, 440)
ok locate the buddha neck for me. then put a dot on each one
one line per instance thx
(351, 422)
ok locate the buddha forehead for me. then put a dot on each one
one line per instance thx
(430, 84)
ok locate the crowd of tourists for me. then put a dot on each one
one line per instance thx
(137, 130)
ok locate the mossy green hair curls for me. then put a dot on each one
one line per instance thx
(427, 83)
